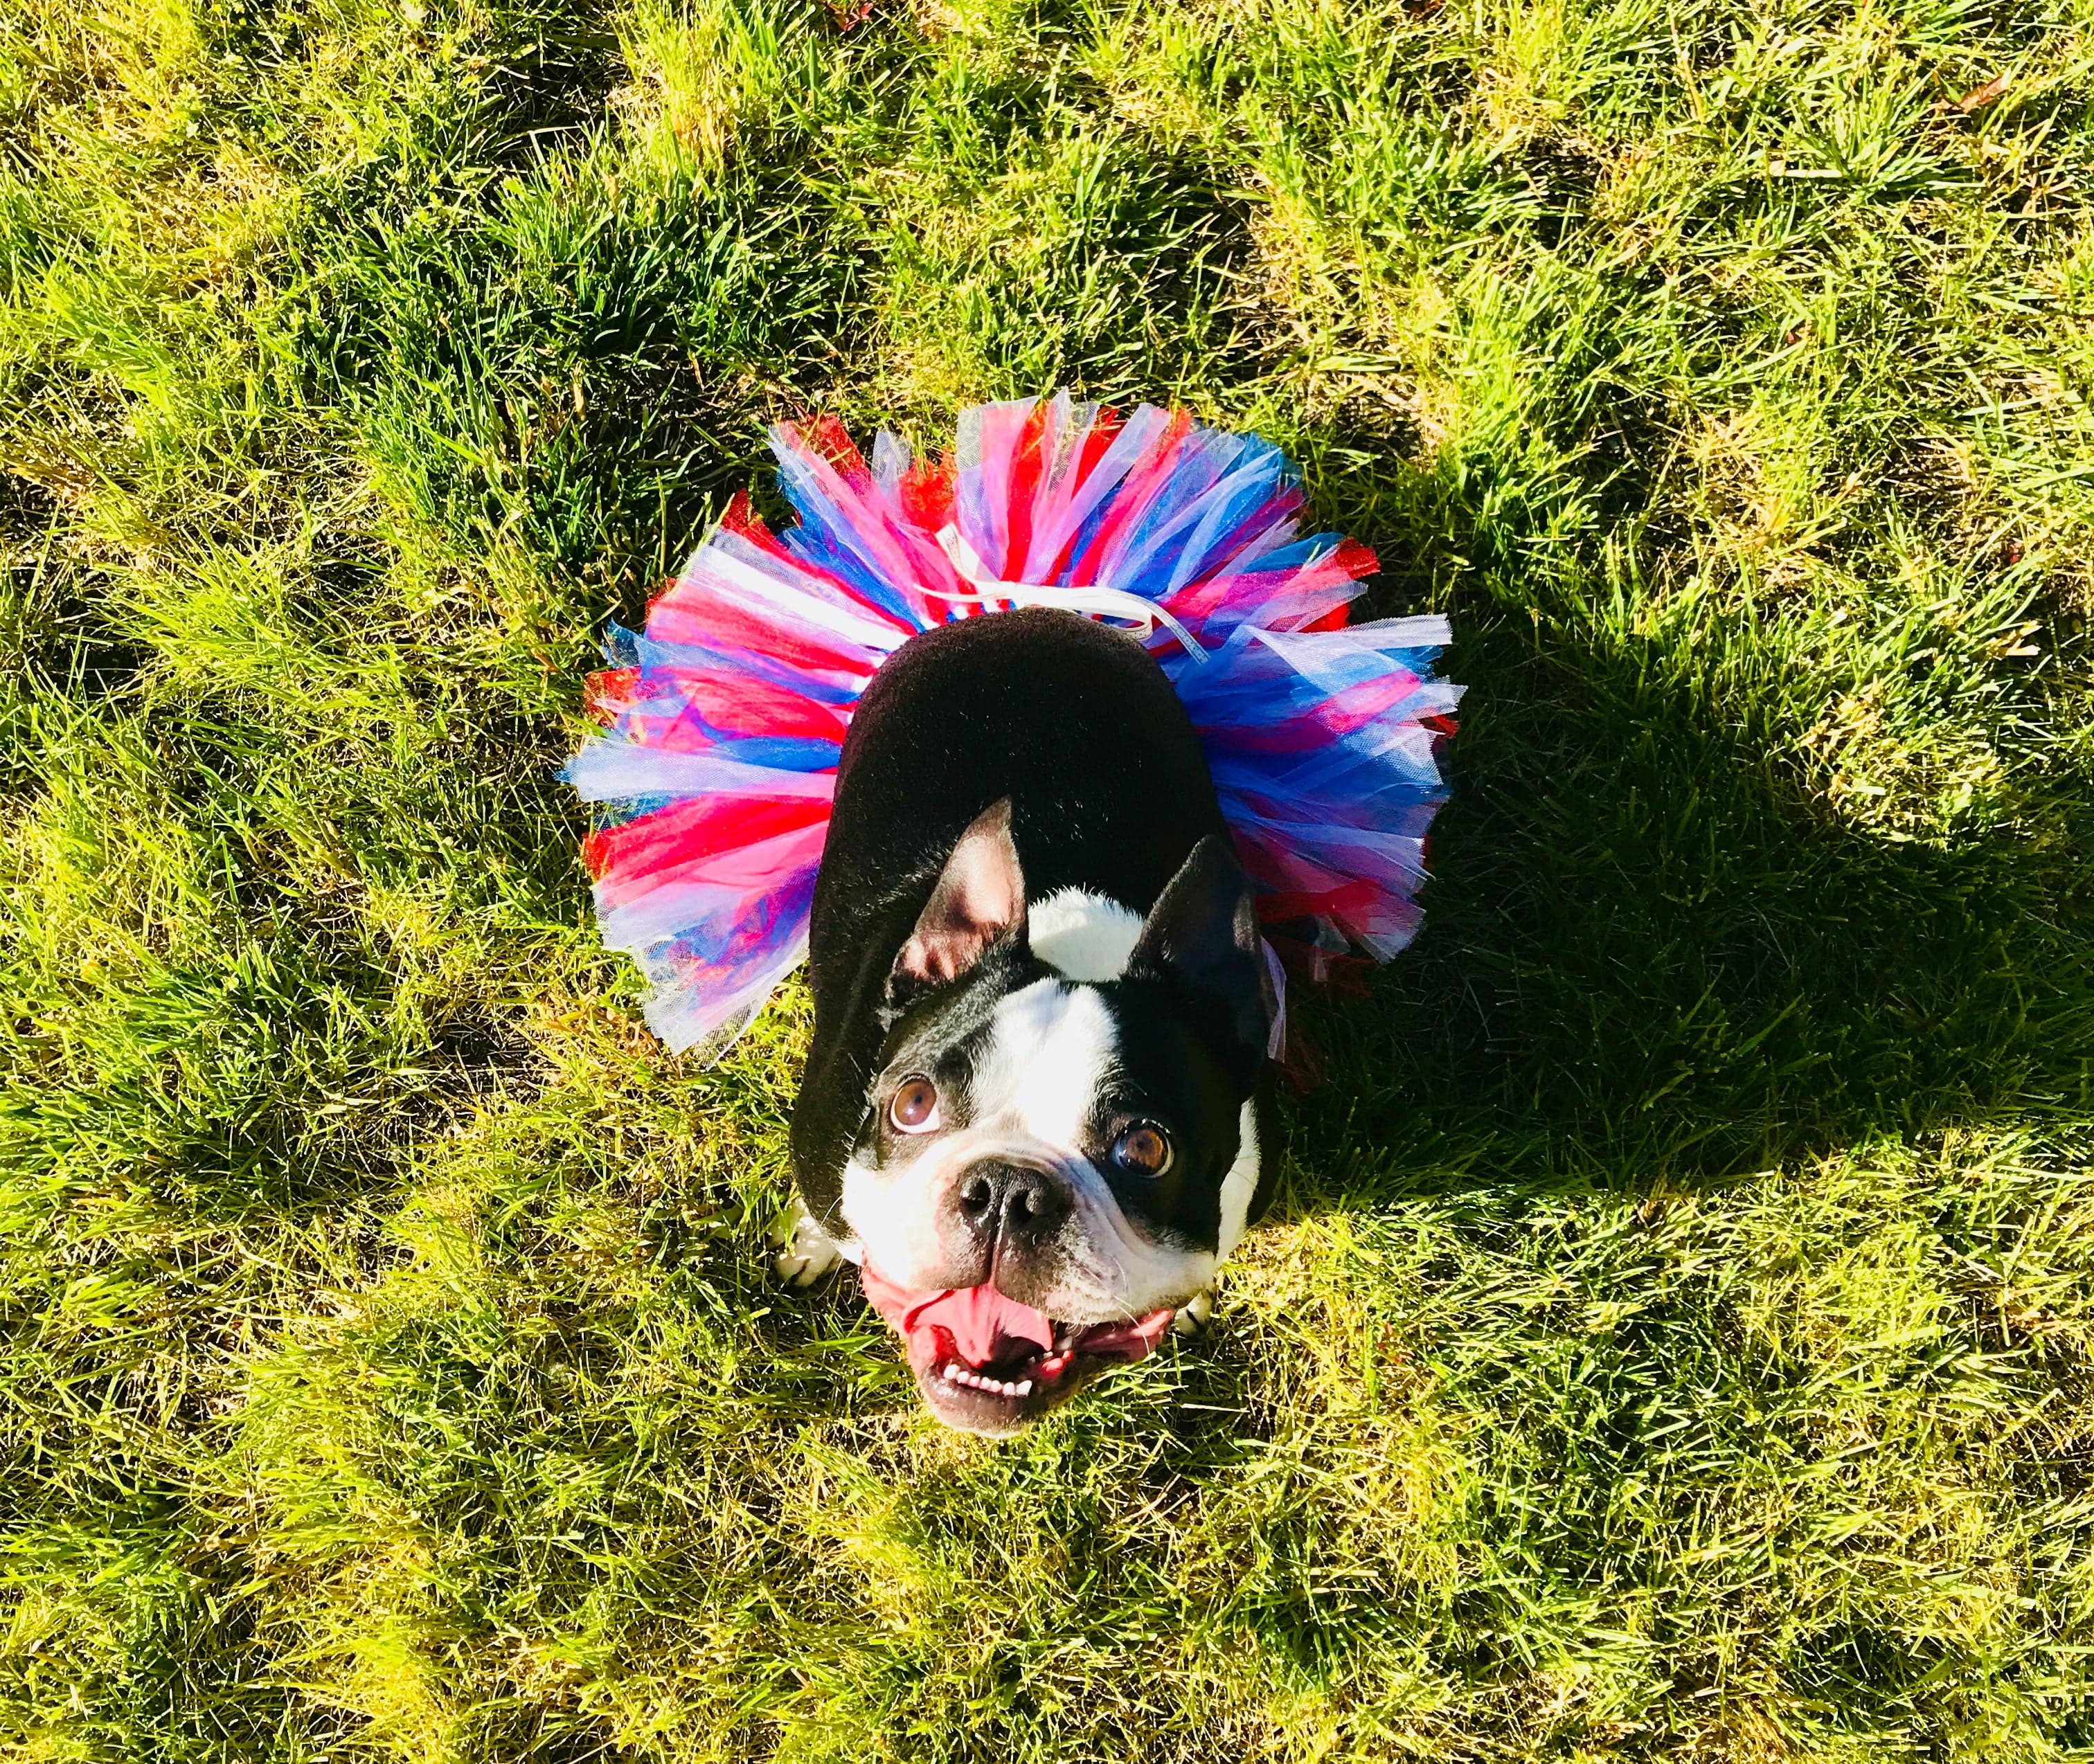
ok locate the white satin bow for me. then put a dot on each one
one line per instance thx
(1108, 603)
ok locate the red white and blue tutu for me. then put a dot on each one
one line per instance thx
(723, 721)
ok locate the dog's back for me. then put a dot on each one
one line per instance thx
(1074, 723)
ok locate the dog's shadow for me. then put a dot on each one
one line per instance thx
(1654, 955)
(1652, 952)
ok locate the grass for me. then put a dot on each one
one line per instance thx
(1676, 1337)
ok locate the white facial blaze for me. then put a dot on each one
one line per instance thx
(1050, 1053)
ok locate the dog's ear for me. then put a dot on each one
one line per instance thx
(979, 898)
(1201, 938)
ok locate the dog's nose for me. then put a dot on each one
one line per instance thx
(1011, 1201)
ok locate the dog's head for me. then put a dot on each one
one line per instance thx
(1060, 1144)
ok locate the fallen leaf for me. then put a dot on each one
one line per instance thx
(1978, 97)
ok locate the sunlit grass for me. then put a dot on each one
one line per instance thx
(1673, 1339)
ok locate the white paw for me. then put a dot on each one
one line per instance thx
(1193, 1315)
(805, 1253)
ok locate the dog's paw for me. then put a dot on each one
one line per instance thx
(806, 1254)
(1194, 1315)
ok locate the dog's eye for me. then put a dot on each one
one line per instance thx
(1143, 1150)
(913, 1107)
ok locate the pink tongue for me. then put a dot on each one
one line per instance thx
(1132, 1340)
(979, 1319)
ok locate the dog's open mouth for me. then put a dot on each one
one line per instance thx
(986, 1362)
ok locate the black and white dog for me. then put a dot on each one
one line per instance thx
(1030, 1113)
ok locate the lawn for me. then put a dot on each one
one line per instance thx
(1675, 1337)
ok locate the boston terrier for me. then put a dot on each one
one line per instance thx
(1031, 1109)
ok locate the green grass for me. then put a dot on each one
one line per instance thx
(1676, 1337)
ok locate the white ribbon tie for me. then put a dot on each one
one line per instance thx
(1106, 602)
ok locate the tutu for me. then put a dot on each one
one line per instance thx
(724, 720)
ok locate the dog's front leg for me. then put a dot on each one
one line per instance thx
(805, 1252)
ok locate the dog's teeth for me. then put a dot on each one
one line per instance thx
(956, 1374)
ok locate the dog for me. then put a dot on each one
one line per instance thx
(1031, 1111)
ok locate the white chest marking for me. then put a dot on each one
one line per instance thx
(1084, 935)
(1240, 1186)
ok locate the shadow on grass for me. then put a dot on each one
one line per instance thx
(1648, 954)
(1650, 957)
